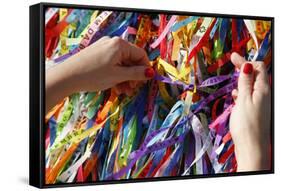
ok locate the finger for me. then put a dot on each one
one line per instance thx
(130, 53)
(117, 90)
(245, 81)
(237, 60)
(259, 67)
(261, 86)
(104, 38)
(234, 94)
(246, 77)
(125, 88)
(133, 84)
(134, 73)
(129, 91)
(122, 87)
(261, 75)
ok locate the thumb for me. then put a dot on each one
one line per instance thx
(245, 81)
(237, 60)
(138, 73)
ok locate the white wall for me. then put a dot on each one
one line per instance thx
(14, 67)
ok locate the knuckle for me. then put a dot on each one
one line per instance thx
(261, 65)
(117, 41)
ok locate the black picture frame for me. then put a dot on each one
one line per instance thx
(37, 94)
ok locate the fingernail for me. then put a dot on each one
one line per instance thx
(248, 68)
(149, 72)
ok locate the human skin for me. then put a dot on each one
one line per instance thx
(118, 64)
(110, 62)
(250, 117)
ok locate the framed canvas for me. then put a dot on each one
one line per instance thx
(122, 95)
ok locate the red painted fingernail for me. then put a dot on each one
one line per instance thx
(248, 68)
(149, 73)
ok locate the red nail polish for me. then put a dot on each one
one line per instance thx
(149, 72)
(248, 68)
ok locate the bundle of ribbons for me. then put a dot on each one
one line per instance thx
(177, 124)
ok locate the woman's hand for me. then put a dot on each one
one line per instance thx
(251, 115)
(109, 62)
